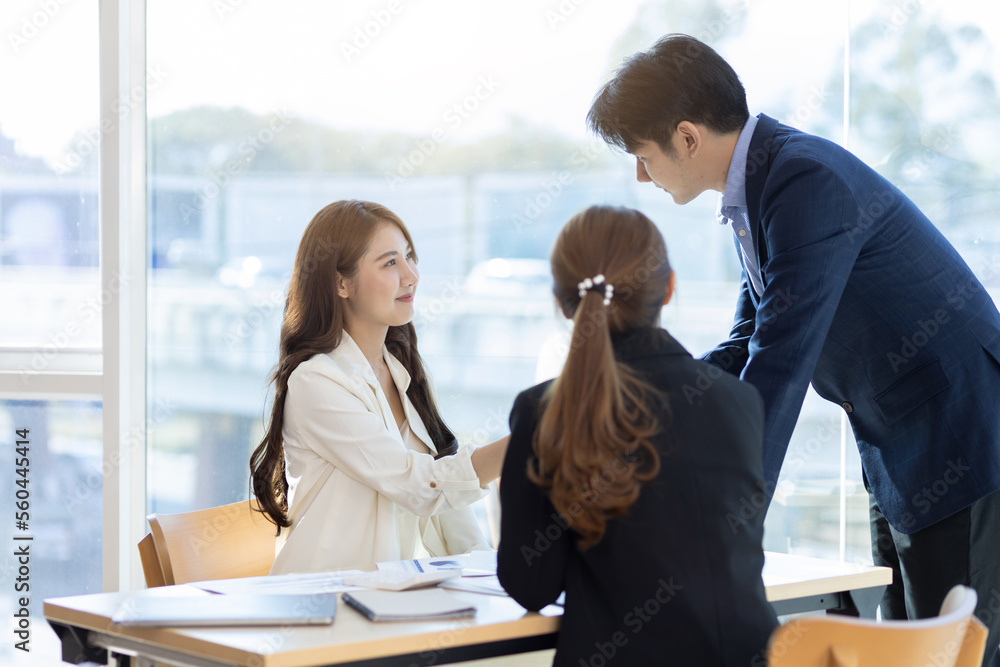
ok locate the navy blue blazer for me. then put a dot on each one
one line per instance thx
(677, 581)
(866, 299)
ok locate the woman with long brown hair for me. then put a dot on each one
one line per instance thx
(627, 477)
(357, 466)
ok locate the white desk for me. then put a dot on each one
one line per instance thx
(795, 584)
(500, 627)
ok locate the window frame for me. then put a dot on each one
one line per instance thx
(122, 204)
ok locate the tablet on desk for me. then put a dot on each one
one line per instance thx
(227, 610)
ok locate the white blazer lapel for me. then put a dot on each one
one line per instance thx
(401, 378)
(351, 360)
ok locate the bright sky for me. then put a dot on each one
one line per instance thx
(391, 64)
(309, 59)
(396, 64)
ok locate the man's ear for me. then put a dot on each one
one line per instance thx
(669, 291)
(688, 138)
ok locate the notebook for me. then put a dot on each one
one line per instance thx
(427, 604)
(227, 610)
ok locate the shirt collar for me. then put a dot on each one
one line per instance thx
(348, 354)
(735, 195)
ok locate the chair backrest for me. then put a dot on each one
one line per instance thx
(217, 543)
(151, 567)
(955, 638)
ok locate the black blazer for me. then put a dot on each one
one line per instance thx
(678, 580)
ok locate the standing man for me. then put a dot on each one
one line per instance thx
(847, 285)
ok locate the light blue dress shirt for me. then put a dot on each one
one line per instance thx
(733, 204)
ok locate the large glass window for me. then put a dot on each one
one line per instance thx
(51, 304)
(477, 140)
(48, 183)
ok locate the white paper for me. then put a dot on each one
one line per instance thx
(282, 584)
(475, 564)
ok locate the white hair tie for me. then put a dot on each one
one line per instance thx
(594, 285)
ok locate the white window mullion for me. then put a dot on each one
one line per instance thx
(135, 508)
(123, 275)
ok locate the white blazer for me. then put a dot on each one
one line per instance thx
(356, 494)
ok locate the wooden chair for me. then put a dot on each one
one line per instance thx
(151, 567)
(954, 638)
(217, 543)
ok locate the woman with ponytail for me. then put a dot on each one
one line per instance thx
(356, 465)
(628, 477)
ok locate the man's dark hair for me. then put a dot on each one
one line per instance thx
(680, 78)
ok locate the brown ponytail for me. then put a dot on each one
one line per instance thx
(313, 323)
(592, 443)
